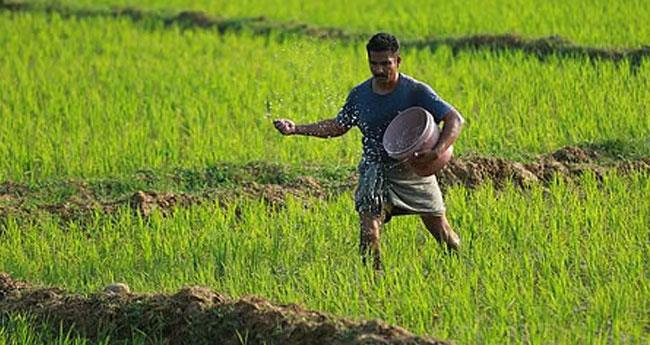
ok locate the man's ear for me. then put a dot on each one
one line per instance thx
(399, 60)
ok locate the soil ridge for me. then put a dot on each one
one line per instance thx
(274, 184)
(193, 315)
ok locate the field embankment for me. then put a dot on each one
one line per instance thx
(227, 183)
(193, 315)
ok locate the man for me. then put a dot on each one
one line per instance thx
(388, 187)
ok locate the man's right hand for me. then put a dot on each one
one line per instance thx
(286, 127)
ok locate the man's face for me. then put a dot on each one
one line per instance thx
(384, 65)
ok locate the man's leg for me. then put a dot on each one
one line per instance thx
(369, 243)
(441, 230)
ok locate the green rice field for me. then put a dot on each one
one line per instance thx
(538, 262)
(600, 22)
(108, 97)
(89, 99)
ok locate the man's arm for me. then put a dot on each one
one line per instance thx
(453, 124)
(323, 129)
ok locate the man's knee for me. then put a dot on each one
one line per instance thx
(370, 221)
(434, 218)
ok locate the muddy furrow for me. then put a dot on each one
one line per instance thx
(194, 315)
(274, 184)
(540, 47)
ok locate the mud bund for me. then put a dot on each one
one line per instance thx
(193, 315)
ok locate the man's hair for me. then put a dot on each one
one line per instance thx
(382, 42)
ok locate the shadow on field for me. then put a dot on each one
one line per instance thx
(228, 184)
(194, 315)
(542, 48)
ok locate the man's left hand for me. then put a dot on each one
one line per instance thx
(426, 155)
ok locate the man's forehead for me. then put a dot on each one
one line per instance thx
(382, 55)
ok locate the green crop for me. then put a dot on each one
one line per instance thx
(600, 23)
(100, 101)
(24, 330)
(555, 265)
(96, 97)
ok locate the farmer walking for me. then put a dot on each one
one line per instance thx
(388, 187)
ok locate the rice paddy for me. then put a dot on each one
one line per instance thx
(146, 105)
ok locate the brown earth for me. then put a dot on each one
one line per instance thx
(540, 47)
(194, 315)
(568, 163)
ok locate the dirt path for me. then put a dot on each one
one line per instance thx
(193, 315)
(274, 184)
